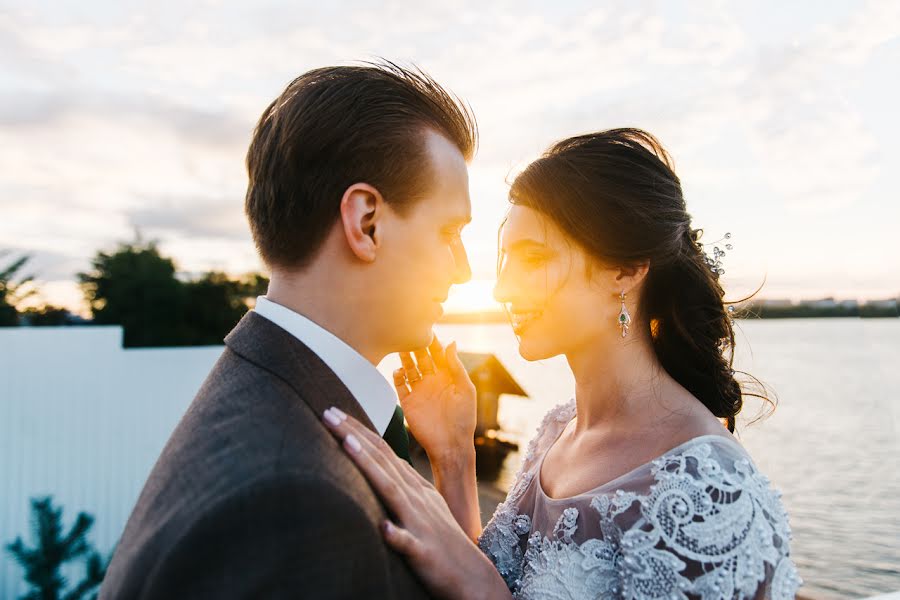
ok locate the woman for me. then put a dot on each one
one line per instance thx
(634, 489)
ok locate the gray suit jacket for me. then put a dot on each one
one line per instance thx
(252, 497)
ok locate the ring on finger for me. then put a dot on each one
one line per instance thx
(416, 378)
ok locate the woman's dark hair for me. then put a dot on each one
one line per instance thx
(615, 193)
(336, 126)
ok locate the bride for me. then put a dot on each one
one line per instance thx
(636, 488)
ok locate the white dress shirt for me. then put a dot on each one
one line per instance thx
(374, 393)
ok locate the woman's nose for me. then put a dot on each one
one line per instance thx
(501, 291)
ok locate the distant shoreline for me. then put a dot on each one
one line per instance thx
(483, 318)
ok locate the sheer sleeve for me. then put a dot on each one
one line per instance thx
(553, 422)
(503, 538)
(709, 527)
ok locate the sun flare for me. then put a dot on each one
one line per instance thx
(475, 296)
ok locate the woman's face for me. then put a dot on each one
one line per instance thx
(556, 303)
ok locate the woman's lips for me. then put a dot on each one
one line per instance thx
(522, 319)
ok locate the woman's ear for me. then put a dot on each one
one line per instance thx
(630, 277)
(362, 208)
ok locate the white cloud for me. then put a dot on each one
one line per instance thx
(117, 114)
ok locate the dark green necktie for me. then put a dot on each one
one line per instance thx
(396, 437)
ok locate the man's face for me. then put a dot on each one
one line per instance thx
(422, 254)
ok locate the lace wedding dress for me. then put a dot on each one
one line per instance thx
(697, 522)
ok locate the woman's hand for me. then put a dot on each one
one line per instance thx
(426, 533)
(438, 400)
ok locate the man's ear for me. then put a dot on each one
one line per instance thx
(630, 277)
(362, 209)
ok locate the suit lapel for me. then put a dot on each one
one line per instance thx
(268, 346)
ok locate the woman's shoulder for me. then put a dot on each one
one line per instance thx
(554, 421)
(714, 462)
(706, 501)
(551, 426)
(560, 414)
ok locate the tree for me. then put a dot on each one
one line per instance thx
(215, 303)
(12, 292)
(214, 306)
(136, 287)
(47, 316)
(52, 550)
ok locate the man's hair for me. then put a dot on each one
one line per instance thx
(337, 126)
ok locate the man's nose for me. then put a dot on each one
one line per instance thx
(462, 272)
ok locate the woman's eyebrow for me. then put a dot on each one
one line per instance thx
(525, 244)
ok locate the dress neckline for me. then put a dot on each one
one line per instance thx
(540, 465)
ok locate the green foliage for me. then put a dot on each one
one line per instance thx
(13, 292)
(52, 549)
(212, 308)
(46, 316)
(136, 287)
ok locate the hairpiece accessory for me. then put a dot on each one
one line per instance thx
(714, 262)
(624, 319)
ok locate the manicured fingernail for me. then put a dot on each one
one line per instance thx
(331, 418)
(389, 527)
(352, 443)
(339, 413)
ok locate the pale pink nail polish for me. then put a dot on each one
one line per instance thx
(352, 443)
(331, 418)
(339, 413)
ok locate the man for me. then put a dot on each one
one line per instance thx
(358, 192)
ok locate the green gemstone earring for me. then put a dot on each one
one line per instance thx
(624, 319)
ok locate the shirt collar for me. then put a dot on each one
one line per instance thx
(368, 386)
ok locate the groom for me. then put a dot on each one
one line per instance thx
(358, 192)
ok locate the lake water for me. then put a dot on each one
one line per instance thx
(831, 446)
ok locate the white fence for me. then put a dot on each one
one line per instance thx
(83, 419)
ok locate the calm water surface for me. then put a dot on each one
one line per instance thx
(831, 446)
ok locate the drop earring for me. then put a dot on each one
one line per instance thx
(624, 319)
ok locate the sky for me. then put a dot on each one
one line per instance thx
(119, 116)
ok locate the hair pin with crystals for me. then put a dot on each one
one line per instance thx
(714, 262)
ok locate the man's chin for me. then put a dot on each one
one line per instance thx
(415, 340)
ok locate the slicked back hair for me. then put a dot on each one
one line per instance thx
(336, 126)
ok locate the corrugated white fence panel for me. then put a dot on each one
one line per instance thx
(84, 420)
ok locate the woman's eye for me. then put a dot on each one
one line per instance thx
(531, 263)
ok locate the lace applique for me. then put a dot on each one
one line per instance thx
(501, 538)
(500, 541)
(699, 531)
(566, 525)
(560, 568)
(702, 531)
